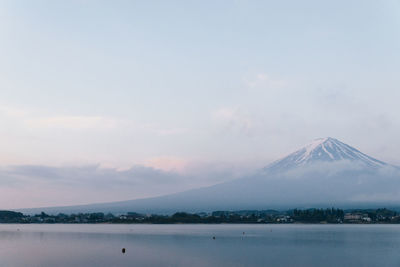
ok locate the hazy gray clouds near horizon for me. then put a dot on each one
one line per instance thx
(41, 186)
(154, 97)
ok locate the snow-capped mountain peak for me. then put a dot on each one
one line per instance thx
(325, 150)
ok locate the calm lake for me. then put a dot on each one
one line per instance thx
(193, 245)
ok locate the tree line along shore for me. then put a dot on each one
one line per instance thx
(331, 216)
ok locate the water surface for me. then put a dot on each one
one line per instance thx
(193, 245)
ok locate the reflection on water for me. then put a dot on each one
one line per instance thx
(193, 245)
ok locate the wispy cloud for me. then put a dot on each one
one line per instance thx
(12, 111)
(167, 164)
(39, 119)
(234, 119)
(74, 122)
(160, 130)
(264, 81)
(33, 118)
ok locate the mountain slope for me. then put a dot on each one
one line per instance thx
(324, 173)
(324, 150)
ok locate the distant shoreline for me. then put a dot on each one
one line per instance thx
(295, 216)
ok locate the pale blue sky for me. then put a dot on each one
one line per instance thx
(185, 85)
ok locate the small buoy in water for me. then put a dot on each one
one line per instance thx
(123, 250)
(243, 233)
(213, 237)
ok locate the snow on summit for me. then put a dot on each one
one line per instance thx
(326, 150)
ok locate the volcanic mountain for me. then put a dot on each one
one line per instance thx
(324, 150)
(323, 173)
